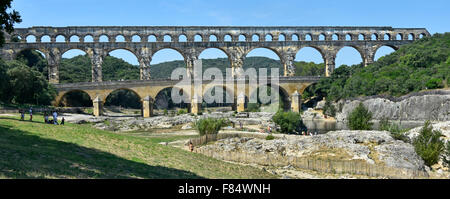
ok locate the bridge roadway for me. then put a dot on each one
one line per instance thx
(290, 89)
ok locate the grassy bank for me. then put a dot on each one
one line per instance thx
(38, 150)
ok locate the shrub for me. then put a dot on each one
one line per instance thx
(395, 130)
(359, 119)
(210, 125)
(329, 109)
(289, 122)
(181, 112)
(165, 112)
(428, 144)
(253, 107)
(447, 155)
(270, 137)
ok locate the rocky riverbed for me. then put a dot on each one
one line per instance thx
(372, 147)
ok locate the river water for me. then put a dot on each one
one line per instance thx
(324, 126)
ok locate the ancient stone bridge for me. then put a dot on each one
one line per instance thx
(190, 41)
(239, 89)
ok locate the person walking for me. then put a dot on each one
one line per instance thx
(31, 114)
(22, 114)
(191, 146)
(55, 117)
(46, 117)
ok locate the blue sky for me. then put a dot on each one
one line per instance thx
(432, 14)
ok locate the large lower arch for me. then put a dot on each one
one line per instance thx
(215, 58)
(266, 101)
(123, 98)
(164, 100)
(75, 66)
(349, 55)
(164, 61)
(74, 98)
(309, 61)
(120, 65)
(383, 51)
(34, 58)
(267, 58)
(217, 96)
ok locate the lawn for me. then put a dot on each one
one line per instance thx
(38, 150)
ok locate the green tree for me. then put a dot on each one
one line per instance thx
(359, 118)
(289, 122)
(8, 19)
(428, 144)
(209, 126)
(27, 85)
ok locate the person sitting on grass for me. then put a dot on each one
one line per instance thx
(62, 121)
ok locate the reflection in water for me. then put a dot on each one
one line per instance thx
(323, 126)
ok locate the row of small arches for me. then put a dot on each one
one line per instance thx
(226, 38)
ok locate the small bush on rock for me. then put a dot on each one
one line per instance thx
(359, 118)
(428, 144)
(210, 125)
(270, 137)
(289, 122)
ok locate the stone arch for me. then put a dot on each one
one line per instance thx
(182, 38)
(283, 94)
(30, 38)
(128, 102)
(399, 36)
(88, 38)
(76, 93)
(45, 39)
(374, 37)
(198, 38)
(322, 37)
(295, 37)
(119, 38)
(242, 37)
(313, 52)
(278, 57)
(361, 37)
(163, 97)
(268, 37)
(308, 37)
(335, 37)
(385, 51)
(167, 38)
(103, 38)
(152, 38)
(220, 49)
(360, 52)
(387, 36)
(282, 37)
(348, 37)
(227, 38)
(227, 96)
(136, 38)
(74, 38)
(15, 38)
(255, 38)
(411, 37)
(213, 38)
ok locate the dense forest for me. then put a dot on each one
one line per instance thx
(424, 64)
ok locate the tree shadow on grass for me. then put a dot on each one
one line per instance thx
(23, 155)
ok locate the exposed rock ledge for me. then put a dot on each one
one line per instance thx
(421, 106)
(374, 147)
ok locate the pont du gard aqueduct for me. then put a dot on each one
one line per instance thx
(235, 42)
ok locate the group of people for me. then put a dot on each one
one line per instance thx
(55, 118)
(309, 133)
(54, 114)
